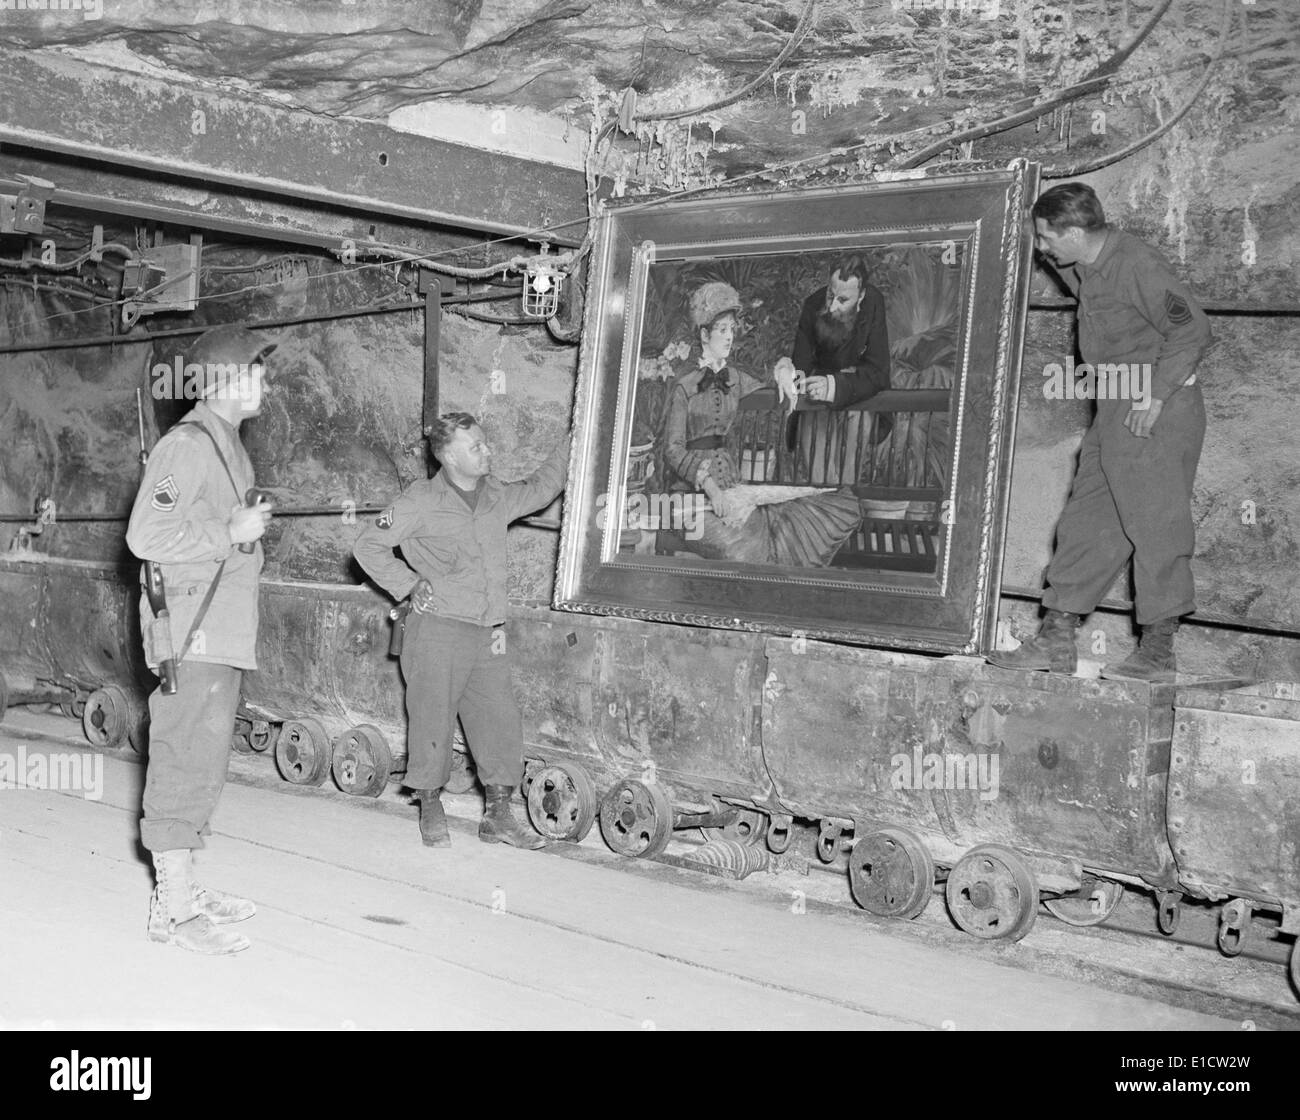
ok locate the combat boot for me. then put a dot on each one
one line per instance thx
(174, 914)
(1053, 648)
(433, 821)
(499, 825)
(1153, 660)
(222, 909)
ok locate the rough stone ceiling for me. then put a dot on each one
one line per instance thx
(875, 71)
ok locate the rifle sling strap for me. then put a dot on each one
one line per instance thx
(203, 610)
(216, 579)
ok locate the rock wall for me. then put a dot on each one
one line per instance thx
(870, 84)
(339, 430)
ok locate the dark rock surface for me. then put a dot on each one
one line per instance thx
(869, 84)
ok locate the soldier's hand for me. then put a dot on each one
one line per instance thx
(1140, 421)
(422, 597)
(248, 523)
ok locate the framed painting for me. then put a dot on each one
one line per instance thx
(795, 410)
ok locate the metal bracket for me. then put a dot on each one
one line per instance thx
(830, 835)
(1169, 910)
(1234, 922)
(718, 817)
(24, 210)
(1291, 916)
(45, 515)
(779, 832)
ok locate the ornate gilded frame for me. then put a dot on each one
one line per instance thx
(950, 610)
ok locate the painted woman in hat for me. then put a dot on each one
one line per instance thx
(703, 401)
(755, 524)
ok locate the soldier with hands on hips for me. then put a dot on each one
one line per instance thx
(451, 531)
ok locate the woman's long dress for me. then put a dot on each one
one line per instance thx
(699, 428)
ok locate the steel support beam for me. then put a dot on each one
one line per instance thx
(101, 189)
(430, 287)
(53, 103)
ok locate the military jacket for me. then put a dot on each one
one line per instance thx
(461, 552)
(181, 520)
(1134, 309)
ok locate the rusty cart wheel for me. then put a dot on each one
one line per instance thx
(562, 801)
(749, 828)
(106, 719)
(1094, 902)
(302, 752)
(992, 893)
(362, 761)
(891, 873)
(636, 818)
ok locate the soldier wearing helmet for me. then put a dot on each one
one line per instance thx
(190, 518)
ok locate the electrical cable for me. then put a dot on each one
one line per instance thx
(797, 36)
(1114, 157)
(505, 321)
(268, 263)
(1098, 77)
(28, 283)
(67, 266)
(423, 258)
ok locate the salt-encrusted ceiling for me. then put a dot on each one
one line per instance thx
(867, 81)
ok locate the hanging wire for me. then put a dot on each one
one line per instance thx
(1096, 164)
(1098, 77)
(801, 29)
(67, 266)
(420, 258)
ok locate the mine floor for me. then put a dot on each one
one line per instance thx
(360, 926)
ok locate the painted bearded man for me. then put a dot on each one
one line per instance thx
(841, 358)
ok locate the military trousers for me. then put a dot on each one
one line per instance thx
(189, 752)
(456, 668)
(1132, 498)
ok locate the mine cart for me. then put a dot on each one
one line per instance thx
(71, 636)
(1234, 804)
(1019, 783)
(1010, 788)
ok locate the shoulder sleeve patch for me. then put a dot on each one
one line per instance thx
(165, 495)
(385, 519)
(1177, 310)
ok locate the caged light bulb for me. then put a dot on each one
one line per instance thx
(541, 283)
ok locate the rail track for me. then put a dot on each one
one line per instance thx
(1126, 954)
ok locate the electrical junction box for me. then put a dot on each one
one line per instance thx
(163, 278)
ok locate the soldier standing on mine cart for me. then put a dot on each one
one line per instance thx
(1132, 492)
(452, 533)
(191, 520)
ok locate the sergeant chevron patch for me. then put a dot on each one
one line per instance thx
(165, 495)
(385, 519)
(1176, 307)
